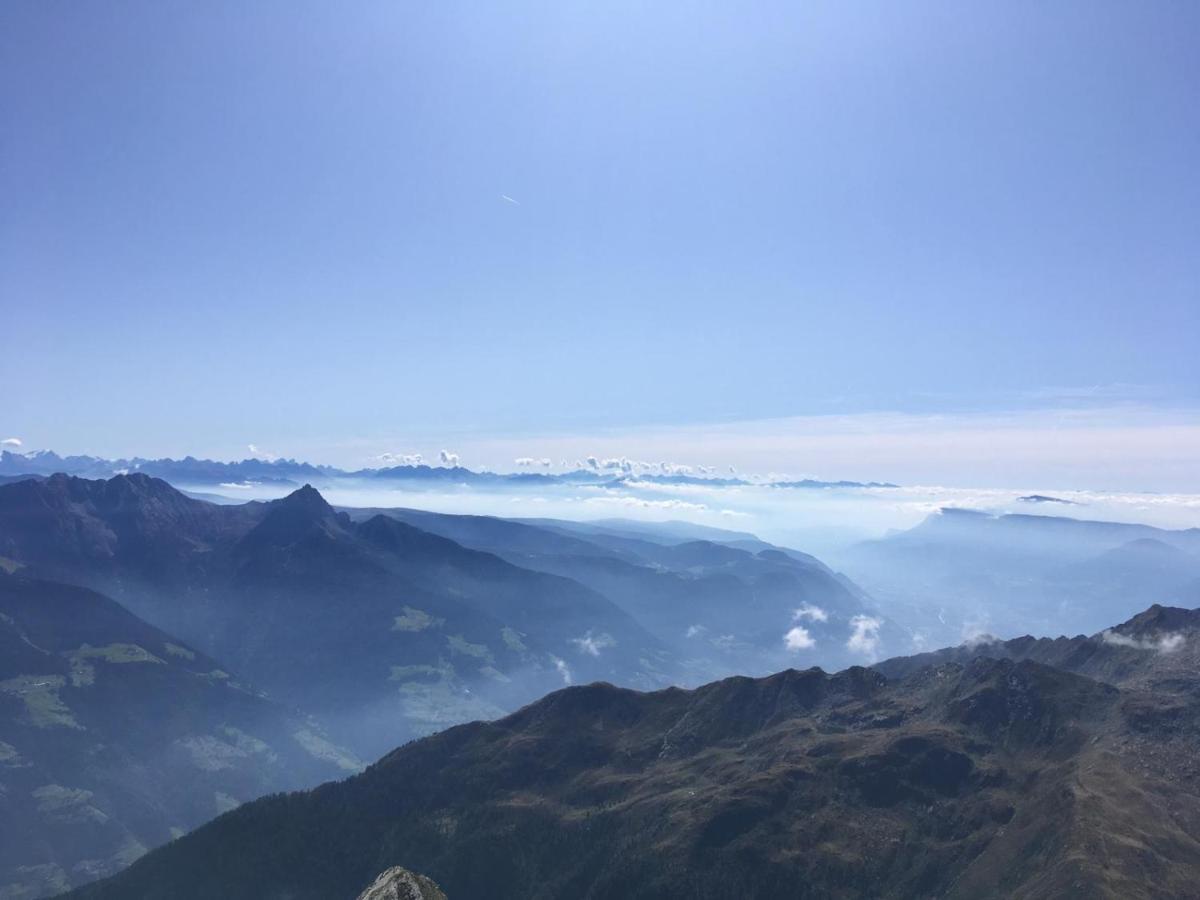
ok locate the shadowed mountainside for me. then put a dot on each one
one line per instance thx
(383, 629)
(984, 778)
(116, 737)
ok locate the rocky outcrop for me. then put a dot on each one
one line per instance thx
(398, 883)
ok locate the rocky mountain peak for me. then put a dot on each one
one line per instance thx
(397, 883)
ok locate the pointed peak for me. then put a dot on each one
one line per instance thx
(306, 499)
(1160, 618)
(400, 884)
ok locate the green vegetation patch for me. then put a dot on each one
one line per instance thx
(512, 639)
(176, 650)
(46, 880)
(459, 644)
(321, 747)
(415, 619)
(211, 754)
(39, 693)
(10, 758)
(67, 806)
(405, 673)
(117, 654)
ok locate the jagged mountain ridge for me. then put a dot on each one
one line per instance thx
(386, 630)
(192, 472)
(989, 778)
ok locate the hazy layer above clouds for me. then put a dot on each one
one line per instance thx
(817, 520)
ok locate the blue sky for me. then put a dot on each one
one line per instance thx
(286, 223)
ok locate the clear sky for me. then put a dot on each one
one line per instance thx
(322, 226)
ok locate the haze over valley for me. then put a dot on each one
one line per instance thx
(593, 451)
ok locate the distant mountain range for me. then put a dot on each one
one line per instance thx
(963, 574)
(380, 625)
(199, 473)
(389, 624)
(163, 658)
(1034, 769)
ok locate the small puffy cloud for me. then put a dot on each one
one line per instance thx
(798, 638)
(975, 634)
(811, 613)
(674, 469)
(529, 462)
(695, 631)
(1163, 643)
(864, 635)
(400, 459)
(593, 644)
(259, 453)
(592, 462)
(448, 458)
(724, 642)
(563, 669)
(11, 443)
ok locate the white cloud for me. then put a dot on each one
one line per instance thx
(259, 453)
(1163, 643)
(864, 635)
(674, 469)
(592, 462)
(592, 645)
(529, 461)
(695, 631)
(639, 503)
(798, 639)
(563, 669)
(508, 199)
(810, 612)
(14, 443)
(448, 458)
(400, 459)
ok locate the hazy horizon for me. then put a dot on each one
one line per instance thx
(931, 244)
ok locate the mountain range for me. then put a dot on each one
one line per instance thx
(388, 624)
(199, 473)
(963, 574)
(982, 772)
(166, 659)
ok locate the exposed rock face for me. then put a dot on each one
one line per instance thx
(398, 883)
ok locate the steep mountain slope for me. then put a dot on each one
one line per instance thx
(994, 778)
(722, 609)
(1156, 649)
(116, 737)
(383, 630)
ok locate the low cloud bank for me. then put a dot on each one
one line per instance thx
(1163, 643)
